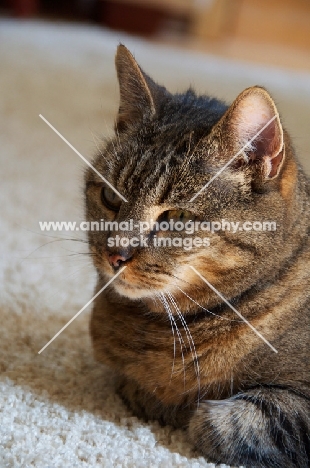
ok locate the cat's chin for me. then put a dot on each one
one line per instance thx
(131, 291)
(131, 286)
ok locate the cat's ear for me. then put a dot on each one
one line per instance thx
(254, 112)
(137, 90)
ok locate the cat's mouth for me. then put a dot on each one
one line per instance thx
(135, 285)
(132, 291)
(127, 290)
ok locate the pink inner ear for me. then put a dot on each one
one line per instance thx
(253, 111)
(275, 165)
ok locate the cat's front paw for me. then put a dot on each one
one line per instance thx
(247, 430)
(216, 432)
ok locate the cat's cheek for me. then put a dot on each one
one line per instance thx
(203, 263)
(214, 259)
(101, 263)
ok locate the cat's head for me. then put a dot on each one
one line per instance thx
(166, 148)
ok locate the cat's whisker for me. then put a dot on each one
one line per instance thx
(190, 342)
(73, 239)
(174, 326)
(55, 258)
(193, 286)
(181, 341)
(41, 246)
(72, 254)
(88, 266)
(206, 391)
(174, 343)
(203, 308)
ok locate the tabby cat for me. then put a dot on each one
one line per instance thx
(181, 354)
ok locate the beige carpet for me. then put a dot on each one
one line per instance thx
(59, 409)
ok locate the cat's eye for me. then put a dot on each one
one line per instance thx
(176, 216)
(110, 199)
(179, 215)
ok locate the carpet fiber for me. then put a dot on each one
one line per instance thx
(59, 408)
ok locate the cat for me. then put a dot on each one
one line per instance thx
(180, 354)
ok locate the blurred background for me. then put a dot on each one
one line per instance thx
(273, 32)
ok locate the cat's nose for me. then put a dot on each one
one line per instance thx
(117, 260)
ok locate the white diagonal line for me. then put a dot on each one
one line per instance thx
(233, 158)
(82, 157)
(83, 308)
(235, 310)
